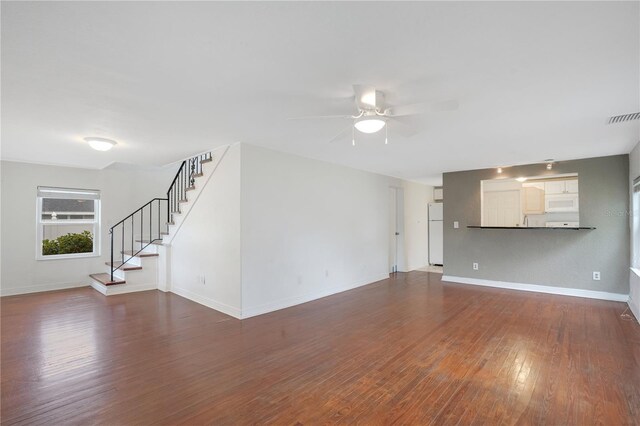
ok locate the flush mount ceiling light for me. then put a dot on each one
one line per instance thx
(521, 179)
(369, 124)
(499, 169)
(100, 144)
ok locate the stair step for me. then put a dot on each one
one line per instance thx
(106, 279)
(190, 188)
(176, 212)
(208, 160)
(156, 242)
(164, 233)
(141, 254)
(197, 175)
(171, 223)
(126, 267)
(183, 201)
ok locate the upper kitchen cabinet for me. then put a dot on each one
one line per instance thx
(438, 194)
(569, 186)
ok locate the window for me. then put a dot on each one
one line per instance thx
(68, 223)
(636, 223)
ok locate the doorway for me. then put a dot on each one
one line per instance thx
(396, 227)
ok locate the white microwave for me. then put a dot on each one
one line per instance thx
(554, 203)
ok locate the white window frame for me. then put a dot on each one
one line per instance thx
(67, 193)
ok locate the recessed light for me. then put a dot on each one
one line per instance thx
(499, 169)
(100, 144)
(521, 179)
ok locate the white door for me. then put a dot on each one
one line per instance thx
(501, 208)
(393, 230)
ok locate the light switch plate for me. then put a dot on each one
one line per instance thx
(456, 225)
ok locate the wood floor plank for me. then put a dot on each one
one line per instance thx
(407, 350)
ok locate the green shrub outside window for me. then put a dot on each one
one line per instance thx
(69, 244)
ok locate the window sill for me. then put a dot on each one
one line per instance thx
(67, 256)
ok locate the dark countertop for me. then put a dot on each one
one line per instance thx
(531, 227)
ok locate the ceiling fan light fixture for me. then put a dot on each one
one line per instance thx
(369, 124)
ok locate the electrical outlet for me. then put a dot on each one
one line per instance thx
(596, 276)
(475, 266)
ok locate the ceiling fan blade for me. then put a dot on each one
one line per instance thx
(424, 108)
(313, 117)
(402, 126)
(450, 105)
(342, 133)
(366, 96)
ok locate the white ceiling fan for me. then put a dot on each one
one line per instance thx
(373, 114)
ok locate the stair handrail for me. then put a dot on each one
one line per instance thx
(145, 205)
(143, 246)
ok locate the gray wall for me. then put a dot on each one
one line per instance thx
(561, 258)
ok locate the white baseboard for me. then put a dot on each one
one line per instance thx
(209, 303)
(297, 300)
(38, 288)
(633, 307)
(589, 294)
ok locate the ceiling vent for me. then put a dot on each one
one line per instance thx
(625, 117)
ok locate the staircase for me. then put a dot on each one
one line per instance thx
(138, 241)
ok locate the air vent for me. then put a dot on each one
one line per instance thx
(625, 117)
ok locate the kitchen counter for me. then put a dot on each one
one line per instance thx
(579, 228)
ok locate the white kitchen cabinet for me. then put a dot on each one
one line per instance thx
(571, 186)
(554, 187)
(438, 194)
(561, 187)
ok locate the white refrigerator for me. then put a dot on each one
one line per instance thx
(436, 239)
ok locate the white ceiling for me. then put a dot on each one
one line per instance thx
(166, 80)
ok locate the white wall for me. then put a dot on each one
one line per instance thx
(208, 242)
(416, 237)
(634, 282)
(269, 230)
(122, 191)
(309, 229)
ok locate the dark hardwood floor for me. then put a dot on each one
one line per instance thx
(407, 350)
